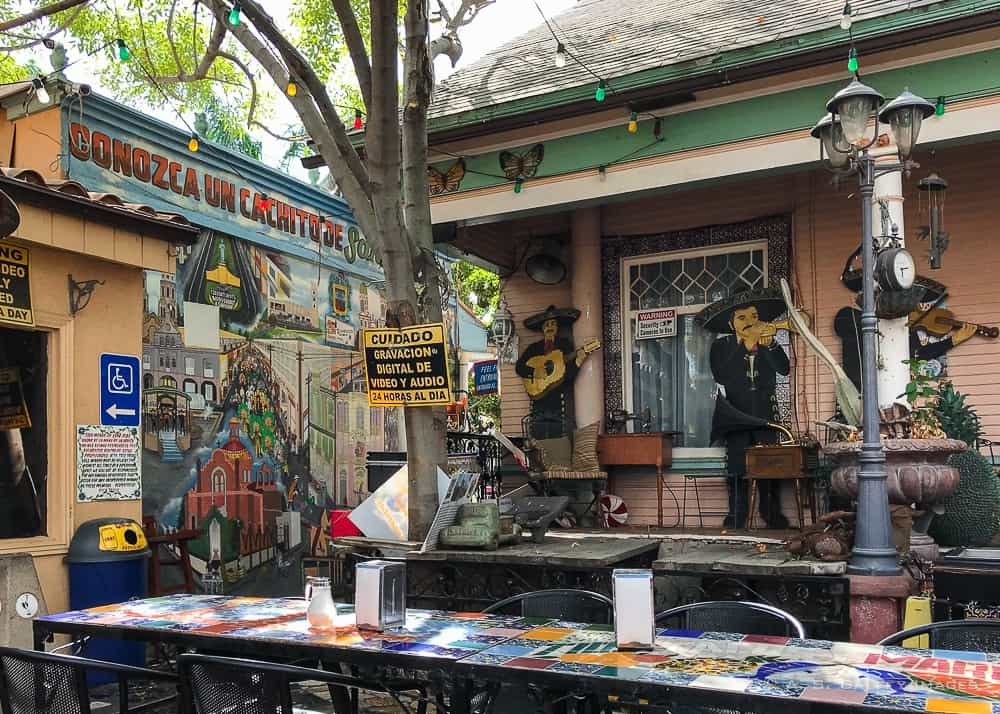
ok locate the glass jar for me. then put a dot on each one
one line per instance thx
(322, 611)
(310, 582)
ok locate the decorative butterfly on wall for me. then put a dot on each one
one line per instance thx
(439, 182)
(521, 166)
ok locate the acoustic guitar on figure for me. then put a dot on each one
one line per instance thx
(940, 321)
(549, 370)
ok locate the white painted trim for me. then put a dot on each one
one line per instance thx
(790, 149)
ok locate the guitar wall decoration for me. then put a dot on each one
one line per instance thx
(548, 370)
(439, 182)
(515, 166)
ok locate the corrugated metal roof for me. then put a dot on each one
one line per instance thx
(616, 38)
(68, 187)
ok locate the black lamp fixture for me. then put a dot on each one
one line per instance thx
(80, 293)
(546, 266)
(935, 187)
(502, 332)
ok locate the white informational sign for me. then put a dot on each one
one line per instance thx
(654, 324)
(108, 463)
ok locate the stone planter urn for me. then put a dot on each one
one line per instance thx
(917, 472)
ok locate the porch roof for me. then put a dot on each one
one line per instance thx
(637, 45)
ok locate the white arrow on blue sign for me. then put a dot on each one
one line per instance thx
(121, 381)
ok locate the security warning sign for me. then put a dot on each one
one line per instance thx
(15, 289)
(407, 366)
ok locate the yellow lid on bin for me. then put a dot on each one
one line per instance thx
(121, 537)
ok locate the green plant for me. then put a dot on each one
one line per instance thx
(972, 512)
(957, 419)
(922, 392)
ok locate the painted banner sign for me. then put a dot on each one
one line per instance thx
(15, 286)
(13, 408)
(654, 324)
(484, 377)
(407, 366)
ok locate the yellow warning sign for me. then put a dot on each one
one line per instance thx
(407, 366)
(15, 286)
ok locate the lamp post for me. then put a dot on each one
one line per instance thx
(845, 139)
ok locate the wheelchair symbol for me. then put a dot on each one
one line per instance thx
(119, 378)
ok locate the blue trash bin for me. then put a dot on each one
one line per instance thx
(107, 564)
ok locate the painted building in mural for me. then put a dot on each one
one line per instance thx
(255, 418)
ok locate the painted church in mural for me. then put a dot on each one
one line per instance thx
(255, 417)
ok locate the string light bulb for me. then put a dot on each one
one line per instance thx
(358, 122)
(602, 91)
(633, 123)
(658, 129)
(852, 60)
(845, 17)
(193, 144)
(41, 94)
(264, 203)
(291, 89)
(518, 184)
(939, 107)
(234, 15)
(602, 173)
(124, 53)
(560, 55)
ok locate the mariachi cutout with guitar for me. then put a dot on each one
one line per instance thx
(548, 367)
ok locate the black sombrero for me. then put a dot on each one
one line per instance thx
(563, 315)
(717, 316)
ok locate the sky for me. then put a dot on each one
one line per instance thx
(493, 26)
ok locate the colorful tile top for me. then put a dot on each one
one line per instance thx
(446, 635)
(814, 670)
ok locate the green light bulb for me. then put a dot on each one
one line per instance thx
(518, 183)
(852, 61)
(939, 107)
(234, 15)
(124, 54)
(601, 92)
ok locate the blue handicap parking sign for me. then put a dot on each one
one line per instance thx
(121, 379)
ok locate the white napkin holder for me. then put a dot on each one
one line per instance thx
(380, 595)
(635, 621)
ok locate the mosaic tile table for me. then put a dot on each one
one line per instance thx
(744, 671)
(277, 628)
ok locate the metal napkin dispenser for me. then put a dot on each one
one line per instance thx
(380, 595)
(635, 619)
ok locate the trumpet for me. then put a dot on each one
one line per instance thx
(769, 329)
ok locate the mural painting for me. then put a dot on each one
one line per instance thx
(255, 418)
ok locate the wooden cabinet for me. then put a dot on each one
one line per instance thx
(652, 449)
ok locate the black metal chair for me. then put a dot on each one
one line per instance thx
(559, 604)
(47, 683)
(971, 634)
(748, 618)
(221, 685)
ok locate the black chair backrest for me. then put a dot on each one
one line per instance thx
(29, 685)
(47, 683)
(970, 634)
(561, 604)
(748, 618)
(225, 685)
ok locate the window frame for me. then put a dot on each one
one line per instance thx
(627, 314)
(60, 496)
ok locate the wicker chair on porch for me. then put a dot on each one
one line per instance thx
(555, 463)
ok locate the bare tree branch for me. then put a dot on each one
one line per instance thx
(297, 66)
(356, 48)
(448, 43)
(38, 14)
(356, 192)
(295, 138)
(170, 37)
(252, 110)
(33, 41)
